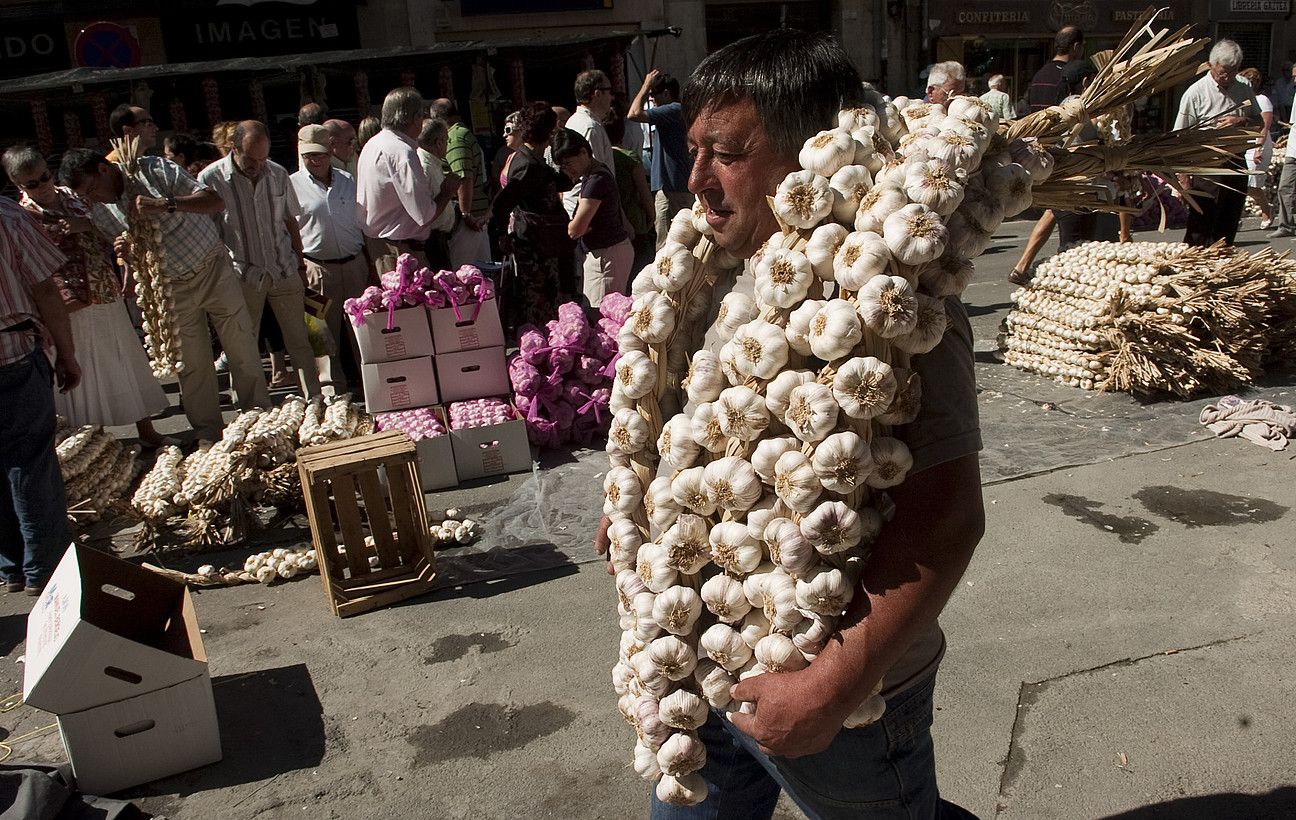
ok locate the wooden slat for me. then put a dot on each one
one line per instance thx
(425, 545)
(411, 590)
(344, 498)
(319, 513)
(349, 586)
(405, 511)
(380, 524)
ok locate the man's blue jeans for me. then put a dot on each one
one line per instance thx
(33, 507)
(882, 771)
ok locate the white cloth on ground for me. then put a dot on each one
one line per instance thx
(1257, 420)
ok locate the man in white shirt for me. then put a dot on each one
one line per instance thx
(259, 227)
(393, 190)
(594, 99)
(1285, 212)
(342, 142)
(1220, 100)
(333, 247)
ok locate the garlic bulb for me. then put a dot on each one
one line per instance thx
(870, 711)
(929, 328)
(621, 677)
(682, 753)
(741, 413)
(629, 431)
(732, 484)
(736, 310)
(672, 656)
(1011, 186)
(812, 634)
(888, 306)
(687, 545)
(834, 330)
(824, 244)
(761, 350)
(864, 387)
(812, 411)
(795, 481)
(933, 184)
(660, 504)
(915, 234)
(798, 326)
(777, 653)
(698, 215)
(863, 255)
(842, 461)
(783, 277)
(789, 549)
(891, 460)
(650, 681)
(636, 374)
(682, 230)
(652, 566)
(645, 759)
(824, 591)
(624, 541)
(832, 527)
(715, 682)
(754, 626)
(628, 586)
(734, 550)
(956, 148)
(622, 491)
(973, 108)
(779, 392)
(946, 276)
(849, 185)
(803, 198)
(725, 646)
(919, 115)
(676, 445)
(855, 118)
(689, 790)
(682, 709)
(652, 317)
(879, 203)
(707, 432)
(673, 267)
(677, 609)
(965, 238)
(908, 397)
(705, 379)
(827, 152)
(768, 450)
(644, 627)
(775, 593)
(645, 713)
(723, 595)
(1031, 154)
(765, 510)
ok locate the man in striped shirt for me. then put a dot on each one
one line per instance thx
(33, 505)
(469, 242)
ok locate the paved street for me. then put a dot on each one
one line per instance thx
(1121, 645)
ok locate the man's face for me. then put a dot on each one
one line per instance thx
(662, 97)
(317, 163)
(251, 156)
(100, 186)
(1223, 74)
(144, 128)
(950, 88)
(38, 182)
(601, 102)
(343, 142)
(734, 170)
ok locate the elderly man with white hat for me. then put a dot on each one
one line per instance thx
(332, 243)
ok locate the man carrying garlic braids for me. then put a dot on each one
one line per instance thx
(750, 108)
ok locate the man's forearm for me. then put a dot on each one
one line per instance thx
(465, 194)
(54, 316)
(200, 202)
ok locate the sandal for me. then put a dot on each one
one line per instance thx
(1019, 277)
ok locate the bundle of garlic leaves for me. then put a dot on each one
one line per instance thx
(1154, 318)
(97, 470)
(741, 523)
(153, 292)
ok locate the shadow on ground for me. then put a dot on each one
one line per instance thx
(1230, 806)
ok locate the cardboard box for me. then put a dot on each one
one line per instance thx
(496, 449)
(451, 334)
(399, 385)
(140, 739)
(472, 374)
(409, 337)
(436, 458)
(105, 630)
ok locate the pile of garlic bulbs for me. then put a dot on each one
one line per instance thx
(1149, 318)
(451, 527)
(740, 521)
(263, 567)
(97, 470)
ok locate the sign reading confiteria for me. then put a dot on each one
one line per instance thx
(1031, 18)
(220, 29)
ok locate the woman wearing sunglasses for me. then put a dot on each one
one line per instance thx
(117, 386)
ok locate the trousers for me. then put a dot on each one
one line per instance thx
(606, 270)
(287, 298)
(33, 505)
(1285, 214)
(1219, 216)
(340, 281)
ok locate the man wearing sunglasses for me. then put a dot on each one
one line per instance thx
(593, 101)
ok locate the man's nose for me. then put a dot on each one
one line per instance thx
(701, 178)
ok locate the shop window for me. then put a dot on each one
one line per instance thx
(1255, 39)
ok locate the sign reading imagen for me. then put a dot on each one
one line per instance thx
(478, 8)
(221, 29)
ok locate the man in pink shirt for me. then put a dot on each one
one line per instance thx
(393, 190)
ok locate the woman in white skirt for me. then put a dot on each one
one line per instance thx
(117, 387)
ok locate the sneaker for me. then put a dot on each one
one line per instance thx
(1280, 232)
(34, 591)
(14, 586)
(222, 363)
(1265, 224)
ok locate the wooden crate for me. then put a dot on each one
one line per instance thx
(334, 477)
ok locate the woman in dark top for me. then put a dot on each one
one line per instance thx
(544, 270)
(598, 223)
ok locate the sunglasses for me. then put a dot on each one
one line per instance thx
(32, 185)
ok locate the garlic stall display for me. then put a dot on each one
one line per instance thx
(1153, 318)
(97, 471)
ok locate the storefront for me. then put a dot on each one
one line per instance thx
(1015, 38)
(1254, 24)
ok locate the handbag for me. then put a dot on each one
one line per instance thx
(546, 234)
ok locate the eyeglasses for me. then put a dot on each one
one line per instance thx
(33, 184)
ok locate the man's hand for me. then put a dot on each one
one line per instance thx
(651, 76)
(472, 223)
(121, 246)
(150, 205)
(796, 714)
(67, 373)
(601, 542)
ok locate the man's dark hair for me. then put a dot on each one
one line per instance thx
(1066, 39)
(312, 113)
(667, 83)
(182, 145)
(1078, 73)
(587, 82)
(796, 81)
(121, 117)
(567, 143)
(246, 129)
(79, 163)
(536, 122)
